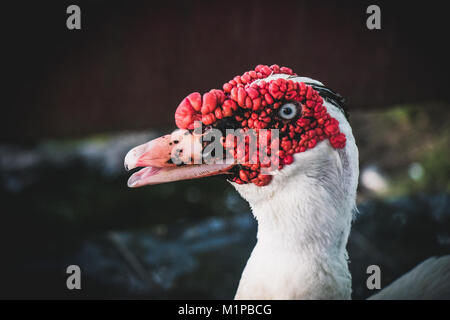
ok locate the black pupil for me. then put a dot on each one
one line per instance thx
(287, 111)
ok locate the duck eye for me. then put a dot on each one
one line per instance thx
(288, 111)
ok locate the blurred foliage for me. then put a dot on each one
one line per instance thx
(406, 138)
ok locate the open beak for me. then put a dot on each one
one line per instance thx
(173, 157)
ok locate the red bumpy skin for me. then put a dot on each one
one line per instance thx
(254, 106)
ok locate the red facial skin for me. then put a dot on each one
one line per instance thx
(255, 106)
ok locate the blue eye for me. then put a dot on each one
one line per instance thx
(288, 111)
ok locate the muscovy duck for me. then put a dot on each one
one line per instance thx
(304, 205)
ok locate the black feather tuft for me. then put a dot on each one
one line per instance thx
(332, 97)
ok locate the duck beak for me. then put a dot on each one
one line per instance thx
(173, 157)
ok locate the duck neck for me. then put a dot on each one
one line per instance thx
(301, 244)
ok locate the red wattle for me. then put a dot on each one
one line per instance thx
(255, 106)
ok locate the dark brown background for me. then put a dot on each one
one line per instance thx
(134, 61)
(130, 66)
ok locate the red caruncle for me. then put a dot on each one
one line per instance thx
(252, 101)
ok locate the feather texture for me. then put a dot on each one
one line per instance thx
(304, 219)
(430, 280)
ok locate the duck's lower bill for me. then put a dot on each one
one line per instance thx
(154, 175)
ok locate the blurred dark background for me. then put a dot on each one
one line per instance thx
(75, 101)
(133, 62)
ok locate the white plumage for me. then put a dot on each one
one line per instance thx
(304, 219)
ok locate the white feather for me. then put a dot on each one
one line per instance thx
(428, 280)
(304, 217)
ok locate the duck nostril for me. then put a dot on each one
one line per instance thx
(126, 167)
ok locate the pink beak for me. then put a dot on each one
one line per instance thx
(173, 157)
